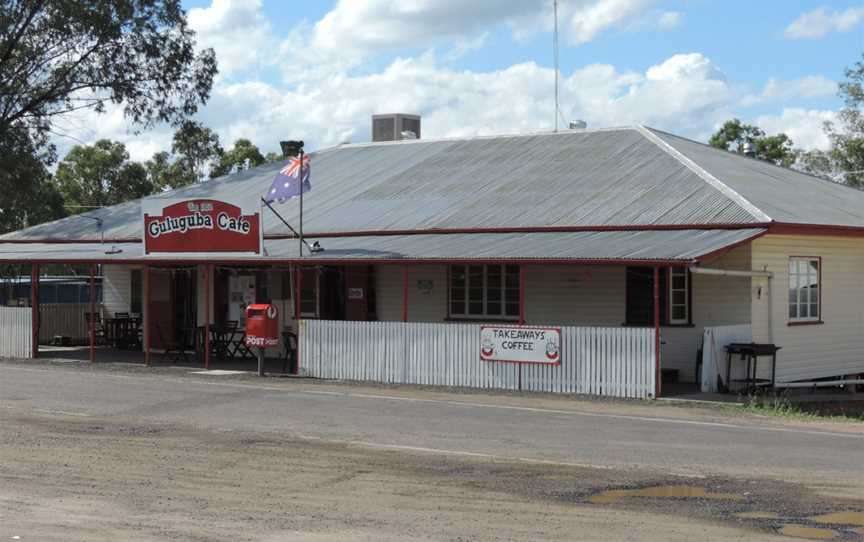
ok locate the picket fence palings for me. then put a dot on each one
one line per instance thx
(598, 361)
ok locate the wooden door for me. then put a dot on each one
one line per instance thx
(356, 293)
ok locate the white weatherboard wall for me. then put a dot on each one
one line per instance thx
(422, 306)
(16, 335)
(574, 295)
(580, 295)
(833, 348)
(116, 288)
(717, 301)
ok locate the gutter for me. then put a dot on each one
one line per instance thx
(696, 270)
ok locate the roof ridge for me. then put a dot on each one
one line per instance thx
(489, 136)
(724, 189)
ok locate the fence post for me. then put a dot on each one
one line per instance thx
(145, 310)
(657, 332)
(34, 310)
(92, 330)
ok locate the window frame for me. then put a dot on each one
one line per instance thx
(670, 303)
(665, 276)
(466, 314)
(808, 320)
(316, 289)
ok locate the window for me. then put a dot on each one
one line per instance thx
(674, 296)
(678, 290)
(309, 303)
(804, 289)
(478, 291)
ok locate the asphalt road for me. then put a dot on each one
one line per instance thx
(605, 435)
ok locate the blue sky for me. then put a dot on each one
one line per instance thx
(318, 70)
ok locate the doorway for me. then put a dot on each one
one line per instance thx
(173, 306)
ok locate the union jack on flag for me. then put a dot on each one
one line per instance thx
(287, 184)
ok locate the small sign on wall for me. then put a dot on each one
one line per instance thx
(355, 293)
(521, 344)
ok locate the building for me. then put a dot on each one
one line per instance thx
(624, 228)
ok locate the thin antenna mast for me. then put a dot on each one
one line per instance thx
(555, 47)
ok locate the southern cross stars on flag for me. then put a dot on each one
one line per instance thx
(287, 183)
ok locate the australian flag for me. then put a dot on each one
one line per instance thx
(287, 183)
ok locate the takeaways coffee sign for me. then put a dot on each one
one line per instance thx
(201, 226)
(521, 344)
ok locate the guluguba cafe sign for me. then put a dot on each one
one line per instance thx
(200, 226)
(521, 344)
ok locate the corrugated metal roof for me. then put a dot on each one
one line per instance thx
(619, 177)
(785, 195)
(575, 178)
(665, 245)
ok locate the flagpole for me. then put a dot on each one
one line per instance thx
(301, 202)
(280, 217)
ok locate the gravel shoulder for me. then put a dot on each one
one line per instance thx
(63, 478)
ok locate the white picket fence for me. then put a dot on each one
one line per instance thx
(15, 332)
(617, 362)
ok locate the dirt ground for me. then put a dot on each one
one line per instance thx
(70, 478)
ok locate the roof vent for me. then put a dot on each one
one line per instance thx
(578, 124)
(395, 126)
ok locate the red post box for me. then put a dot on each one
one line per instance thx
(262, 325)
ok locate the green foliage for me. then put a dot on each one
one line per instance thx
(64, 55)
(816, 162)
(732, 136)
(67, 55)
(196, 150)
(243, 156)
(847, 141)
(100, 175)
(28, 195)
(781, 406)
(271, 157)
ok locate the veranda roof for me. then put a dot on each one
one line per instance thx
(671, 246)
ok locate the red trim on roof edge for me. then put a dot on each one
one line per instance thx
(787, 228)
(529, 229)
(445, 231)
(316, 261)
(721, 251)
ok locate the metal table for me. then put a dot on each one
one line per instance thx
(751, 352)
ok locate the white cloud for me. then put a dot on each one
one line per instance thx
(328, 93)
(778, 91)
(803, 126)
(819, 22)
(587, 21)
(668, 20)
(358, 27)
(373, 26)
(236, 30)
(686, 94)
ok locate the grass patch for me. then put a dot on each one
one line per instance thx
(782, 407)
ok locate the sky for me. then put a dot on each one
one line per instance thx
(318, 70)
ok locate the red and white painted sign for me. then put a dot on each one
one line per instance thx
(521, 344)
(200, 226)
